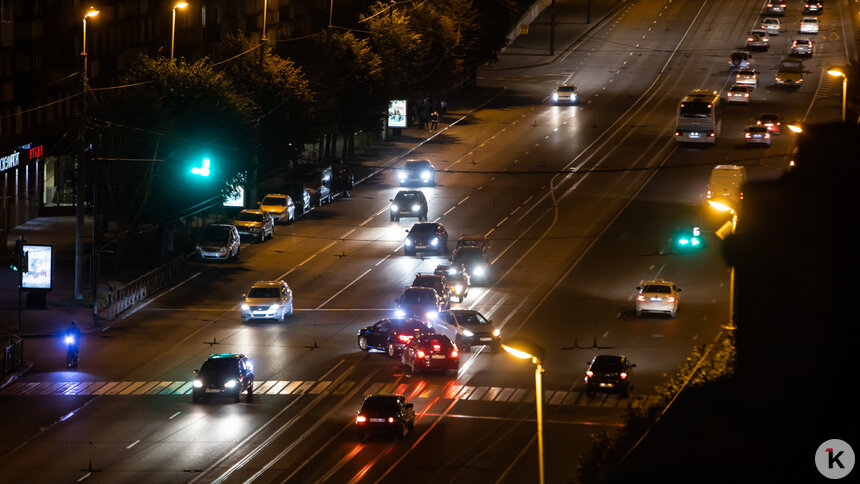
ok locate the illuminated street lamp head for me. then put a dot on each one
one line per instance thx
(92, 12)
(795, 128)
(180, 5)
(722, 207)
(523, 349)
(836, 72)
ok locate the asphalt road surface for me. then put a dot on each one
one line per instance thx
(580, 203)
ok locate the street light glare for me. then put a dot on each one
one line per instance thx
(835, 72)
(795, 128)
(92, 12)
(722, 207)
(517, 353)
(181, 5)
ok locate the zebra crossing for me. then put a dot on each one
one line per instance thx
(412, 390)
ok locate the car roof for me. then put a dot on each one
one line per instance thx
(463, 311)
(223, 356)
(409, 192)
(608, 358)
(425, 226)
(746, 70)
(475, 237)
(658, 282)
(739, 87)
(434, 276)
(755, 127)
(253, 210)
(269, 284)
(419, 289)
(418, 162)
(276, 195)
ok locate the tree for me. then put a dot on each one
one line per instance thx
(397, 44)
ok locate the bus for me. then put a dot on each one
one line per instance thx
(699, 117)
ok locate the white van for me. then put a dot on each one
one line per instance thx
(726, 185)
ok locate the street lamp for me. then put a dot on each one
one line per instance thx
(840, 72)
(728, 228)
(173, 25)
(79, 183)
(525, 350)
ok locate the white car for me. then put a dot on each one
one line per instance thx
(738, 93)
(809, 25)
(267, 300)
(747, 77)
(770, 25)
(255, 223)
(758, 39)
(280, 207)
(565, 93)
(802, 47)
(757, 135)
(467, 328)
(658, 296)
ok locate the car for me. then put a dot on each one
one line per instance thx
(256, 223)
(343, 179)
(317, 179)
(770, 25)
(802, 47)
(417, 172)
(384, 414)
(280, 207)
(565, 93)
(477, 262)
(771, 121)
(458, 279)
(418, 302)
(738, 93)
(748, 77)
(813, 6)
(267, 300)
(725, 186)
(408, 203)
(756, 135)
(809, 25)
(608, 373)
(740, 60)
(390, 335)
(473, 240)
(426, 237)
(430, 352)
(218, 242)
(658, 296)
(775, 7)
(224, 374)
(467, 328)
(301, 197)
(438, 283)
(758, 39)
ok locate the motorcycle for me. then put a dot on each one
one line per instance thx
(72, 352)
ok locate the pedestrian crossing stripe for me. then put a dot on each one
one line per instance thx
(418, 389)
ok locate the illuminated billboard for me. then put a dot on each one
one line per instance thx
(39, 266)
(397, 113)
(235, 199)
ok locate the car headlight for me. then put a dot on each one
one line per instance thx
(458, 288)
(555, 96)
(573, 97)
(425, 175)
(394, 207)
(274, 307)
(432, 315)
(407, 242)
(452, 271)
(479, 271)
(245, 307)
(416, 207)
(402, 175)
(497, 332)
(230, 384)
(222, 250)
(468, 333)
(435, 241)
(198, 383)
(400, 313)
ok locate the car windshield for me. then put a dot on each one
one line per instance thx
(566, 88)
(250, 217)
(756, 129)
(216, 234)
(418, 296)
(657, 288)
(467, 254)
(409, 325)
(746, 72)
(607, 364)
(431, 341)
(407, 197)
(264, 292)
(274, 201)
(426, 281)
(380, 405)
(417, 165)
(470, 318)
(423, 229)
(220, 366)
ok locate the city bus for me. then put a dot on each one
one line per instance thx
(699, 117)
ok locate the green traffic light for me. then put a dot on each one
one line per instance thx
(203, 169)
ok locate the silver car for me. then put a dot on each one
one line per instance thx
(218, 242)
(758, 39)
(748, 77)
(565, 93)
(802, 47)
(280, 207)
(267, 300)
(757, 135)
(738, 93)
(658, 296)
(256, 223)
(467, 328)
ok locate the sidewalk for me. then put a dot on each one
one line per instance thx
(527, 50)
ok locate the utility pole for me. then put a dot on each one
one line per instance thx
(552, 28)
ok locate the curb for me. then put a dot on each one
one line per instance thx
(18, 373)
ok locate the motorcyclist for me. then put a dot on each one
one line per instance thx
(73, 337)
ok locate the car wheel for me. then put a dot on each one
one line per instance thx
(250, 388)
(236, 255)
(391, 350)
(638, 312)
(362, 343)
(402, 434)
(462, 345)
(282, 316)
(261, 238)
(673, 313)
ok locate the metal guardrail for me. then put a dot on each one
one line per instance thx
(144, 286)
(13, 354)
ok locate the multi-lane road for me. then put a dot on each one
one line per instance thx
(580, 203)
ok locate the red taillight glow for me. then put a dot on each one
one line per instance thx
(420, 354)
(677, 133)
(404, 338)
(746, 94)
(670, 299)
(589, 373)
(640, 298)
(623, 375)
(767, 135)
(711, 134)
(746, 135)
(360, 419)
(454, 353)
(391, 419)
(436, 347)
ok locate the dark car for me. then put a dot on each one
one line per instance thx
(458, 279)
(301, 196)
(317, 179)
(384, 414)
(417, 172)
(391, 335)
(476, 260)
(224, 374)
(430, 352)
(218, 242)
(609, 373)
(408, 203)
(740, 60)
(419, 302)
(771, 121)
(436, 282)
(426, 237)
(775, 7)
(813, 7)
(343, 179)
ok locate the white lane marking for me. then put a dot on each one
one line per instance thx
(174, 415)
(132, 444)
(449, 210)
(382, 260)
(463, 200)
(344, 288)
(85, 476)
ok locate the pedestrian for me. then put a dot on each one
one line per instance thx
(443, 106)
(434, 120)
(423, 114)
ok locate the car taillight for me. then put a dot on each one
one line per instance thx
(360, 419)
(677, 133)
(436, 347)
(709, 194)
(746, 94)
(404, 338)
(454, 353)
(589, 373)
(623, 375)
(420, 354)
(794, 43)
(746, 135)
(670, 299)
(767, 135)
(750, 39)
(711, 134)
(391, 419)
(640, 298)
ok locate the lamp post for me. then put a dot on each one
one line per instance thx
(79, 175)
(526, 350)
(840, 72)
(728, 228)
(173, 25)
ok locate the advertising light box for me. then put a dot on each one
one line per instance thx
(397, 113)
(40, 261)
(235, 199)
